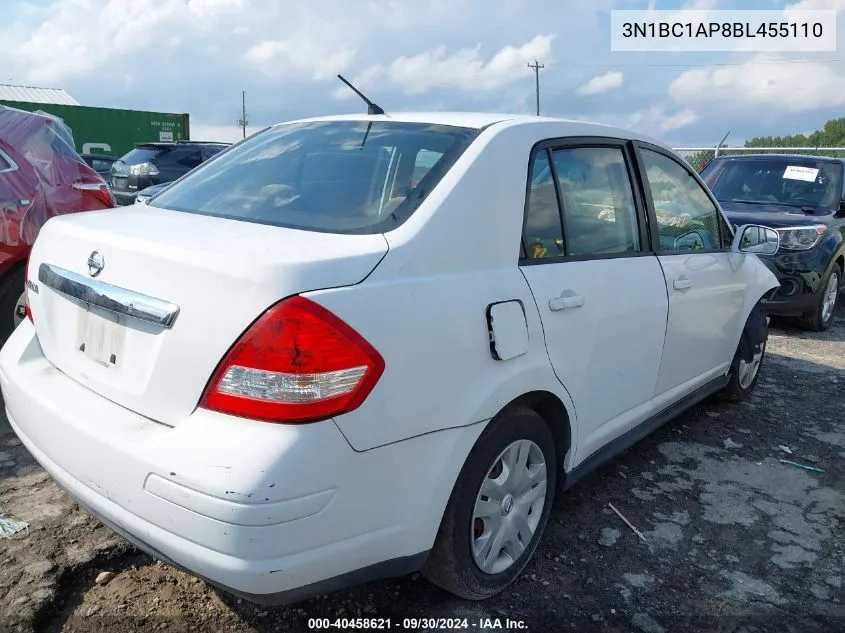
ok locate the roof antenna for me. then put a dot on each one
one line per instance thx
(372, 108)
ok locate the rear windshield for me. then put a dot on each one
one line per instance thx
(142, 155)
(799, 182)
(330, 176)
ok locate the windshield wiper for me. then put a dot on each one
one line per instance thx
(753, 201)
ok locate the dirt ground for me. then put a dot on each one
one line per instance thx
(736, 540)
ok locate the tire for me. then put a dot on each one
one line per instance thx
(739, 386)
(820, 318)
(11, 291)
(452, 564)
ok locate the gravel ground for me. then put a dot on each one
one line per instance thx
(736, 540)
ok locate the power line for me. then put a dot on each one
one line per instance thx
(761, 62)
(536, 66)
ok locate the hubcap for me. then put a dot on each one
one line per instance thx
(20, 309)
(748, 371)
(508, 506)
(829, 300)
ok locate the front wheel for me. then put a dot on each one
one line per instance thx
(744, 372)
(820, 318)
(498, 509)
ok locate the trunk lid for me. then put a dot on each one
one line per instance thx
(219, 275)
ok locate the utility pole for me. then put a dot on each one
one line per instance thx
(242, 122)
(536, 66)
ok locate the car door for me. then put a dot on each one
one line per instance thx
(706, 294)
(598, 287)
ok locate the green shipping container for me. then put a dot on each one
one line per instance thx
(111, 131)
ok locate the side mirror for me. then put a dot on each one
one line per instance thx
(752, 238)
(691, 241)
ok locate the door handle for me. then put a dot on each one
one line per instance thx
(567, 300)
(682, 284)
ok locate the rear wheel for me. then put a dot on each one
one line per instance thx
(12, 301)
(820, 318)
(498, 508)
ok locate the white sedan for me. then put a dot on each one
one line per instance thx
(353, 347)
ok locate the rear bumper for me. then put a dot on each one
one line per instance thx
(270, 512)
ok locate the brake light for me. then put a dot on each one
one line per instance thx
(297, 363)
(26, 291)
(143, 169)
(98, 191)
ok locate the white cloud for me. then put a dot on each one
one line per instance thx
(316, 47)
(820, 5)
(219, 133)
(657, 119)
(69, 41)
(602, 83)
(465, 69)
(278, 57)
(784, 87)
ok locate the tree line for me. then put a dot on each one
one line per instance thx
(831, 135)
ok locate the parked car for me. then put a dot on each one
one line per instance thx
(41, 176)
(100, 163)
(145, 194)
(154, 163)
(803, 199)
(299, 370)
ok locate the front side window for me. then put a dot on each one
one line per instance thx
(600, 217)
(687, 219)
(332, 176)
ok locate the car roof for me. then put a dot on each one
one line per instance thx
(100, 156)
(779, 156)
(481, 120)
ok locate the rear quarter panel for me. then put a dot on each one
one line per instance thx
(424, 307)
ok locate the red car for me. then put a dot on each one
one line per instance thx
(41, 175)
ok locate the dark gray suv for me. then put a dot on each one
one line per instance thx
(154, 163)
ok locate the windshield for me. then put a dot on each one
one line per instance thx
(330, 176)
(792, 181)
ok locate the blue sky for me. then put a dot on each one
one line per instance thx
(197, 55)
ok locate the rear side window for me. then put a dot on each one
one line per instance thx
(543, 231)
(142, 155)
(598, 204)
(190, 159)
(6, 163)
(687, 219)
(331, 176)
(580, 204)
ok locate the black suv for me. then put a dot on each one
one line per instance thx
(154, 163)
(803, 198)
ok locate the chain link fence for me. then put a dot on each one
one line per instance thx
(700, 157)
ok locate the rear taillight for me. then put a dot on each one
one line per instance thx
(26, 291)
(143, 169)
(297, 363)
(98, 191)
